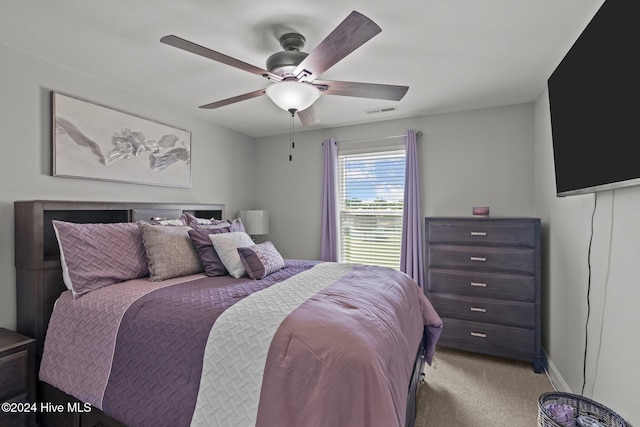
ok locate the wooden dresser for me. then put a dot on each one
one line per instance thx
(483, 278)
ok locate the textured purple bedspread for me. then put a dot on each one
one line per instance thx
(161, 343)
(156, 368)
(359, 338)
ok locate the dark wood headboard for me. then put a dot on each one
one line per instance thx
(37, 257)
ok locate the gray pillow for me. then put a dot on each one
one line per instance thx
(169, 251)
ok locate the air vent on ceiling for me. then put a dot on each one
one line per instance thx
(381, 110)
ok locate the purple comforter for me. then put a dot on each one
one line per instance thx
(341, 358)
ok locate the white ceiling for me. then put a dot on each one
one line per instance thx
(454, 55)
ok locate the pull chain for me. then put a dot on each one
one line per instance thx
(292, 143)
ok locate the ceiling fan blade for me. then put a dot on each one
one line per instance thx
(308, 117)
(362, 90)
(183, 44)
(350, 34)
(234, 99)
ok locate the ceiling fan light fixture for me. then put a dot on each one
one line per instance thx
(293, 95)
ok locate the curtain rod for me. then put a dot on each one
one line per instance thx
(418, 134)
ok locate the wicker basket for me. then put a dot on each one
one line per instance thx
(582, 405)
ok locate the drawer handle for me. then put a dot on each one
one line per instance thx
(479, 309)
(478, 334)
(479, 284)
(478, 258)
(478, 233)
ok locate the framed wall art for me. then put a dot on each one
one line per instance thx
(92, 141)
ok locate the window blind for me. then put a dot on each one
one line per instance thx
(370, 194)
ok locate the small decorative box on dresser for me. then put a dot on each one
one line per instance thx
(483, 278)
(17, 379)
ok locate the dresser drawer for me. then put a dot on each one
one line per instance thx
(510, 313)
(13, 374)
(483, 285)
(19, 418)
(486, 337)
(482, 232)
(519, 260)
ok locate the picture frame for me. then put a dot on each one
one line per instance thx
(93, 141)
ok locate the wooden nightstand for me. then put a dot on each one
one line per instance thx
(17, 377)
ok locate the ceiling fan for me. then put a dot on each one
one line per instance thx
(294, 74)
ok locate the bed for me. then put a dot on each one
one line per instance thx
(284, 342)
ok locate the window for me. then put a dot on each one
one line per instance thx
(370, 194)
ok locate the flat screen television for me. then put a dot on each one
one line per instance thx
(594, 99)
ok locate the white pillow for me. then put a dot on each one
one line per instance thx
(226, 246)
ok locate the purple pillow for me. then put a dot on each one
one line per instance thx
(237, 225)
(261, 260)
(208, 257)
(97, 255)
(225, 226)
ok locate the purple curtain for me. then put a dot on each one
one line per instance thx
(411, 253)
(329, 238)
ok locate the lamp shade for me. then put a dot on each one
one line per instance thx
(255, 222)
(290, 94)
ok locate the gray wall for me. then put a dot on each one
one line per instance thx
(222, 169)
(613, 337)
(472, 158)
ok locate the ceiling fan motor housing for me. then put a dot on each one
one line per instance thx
(283, 63)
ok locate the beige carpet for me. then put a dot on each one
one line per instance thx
(465, 389)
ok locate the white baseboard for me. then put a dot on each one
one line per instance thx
(556, 379)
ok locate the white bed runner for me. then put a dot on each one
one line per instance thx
(234, 357)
